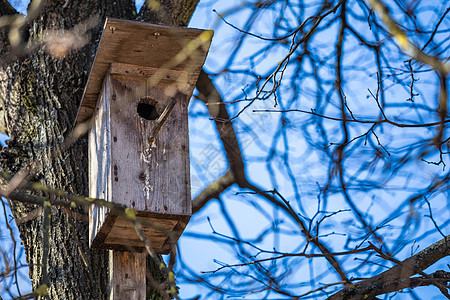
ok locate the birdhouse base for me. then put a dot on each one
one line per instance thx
(118, 233)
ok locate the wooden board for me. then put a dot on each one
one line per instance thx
(127, 273)
(124, 168)
(118, 233)
(99, 141)
(145, 45)
(149, 177)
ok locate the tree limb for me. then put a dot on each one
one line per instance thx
(213, 191)
(216, 108)
(177, 13)
(400, 274)
(6, 8)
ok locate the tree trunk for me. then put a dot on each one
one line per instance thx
(40, 90)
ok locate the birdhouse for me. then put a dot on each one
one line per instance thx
(136, 103)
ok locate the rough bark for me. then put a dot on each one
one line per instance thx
(6, 8)
(170, 12)
(40, 90)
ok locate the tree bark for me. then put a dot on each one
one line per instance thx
(40, 91)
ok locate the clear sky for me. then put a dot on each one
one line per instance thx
(199, 249)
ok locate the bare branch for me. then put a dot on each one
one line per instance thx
(400, 273)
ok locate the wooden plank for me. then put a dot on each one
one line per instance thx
(146, 45)
(126, 169)
(157, 173)
(141, 73)
(100, 161)
(124, 230)
(119, 234)
(127, 271)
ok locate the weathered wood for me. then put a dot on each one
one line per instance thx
(146, 45)
(126, 168)
(149, 177)
(153, 75)
(99, 140)
(127, 275)
(118, 233)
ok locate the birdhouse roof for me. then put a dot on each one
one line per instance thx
(144, 45)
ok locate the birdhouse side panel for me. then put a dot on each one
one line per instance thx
(100, 161)
(149, 176)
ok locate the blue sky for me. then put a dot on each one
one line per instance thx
(208, 161)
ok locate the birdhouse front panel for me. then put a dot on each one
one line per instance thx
(157, 170)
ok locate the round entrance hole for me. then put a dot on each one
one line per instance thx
(147, 110)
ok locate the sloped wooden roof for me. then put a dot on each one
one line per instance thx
(144, 45)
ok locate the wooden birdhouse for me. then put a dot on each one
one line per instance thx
(136, 101)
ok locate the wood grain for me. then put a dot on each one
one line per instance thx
(149, 177)
(99, 152)
(145, 45)
(156, 65)
(127, 275)
(125, 168)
